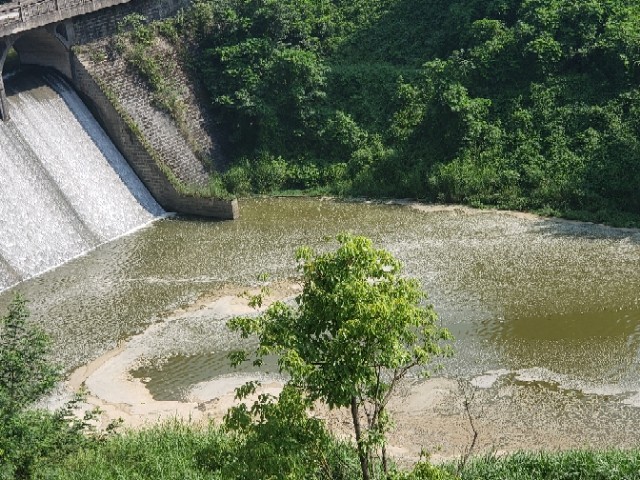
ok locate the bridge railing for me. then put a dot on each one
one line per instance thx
(20, 12)
(10, 13)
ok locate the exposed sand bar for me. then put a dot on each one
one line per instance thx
(430, 414)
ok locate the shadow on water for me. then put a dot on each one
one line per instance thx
(587, 230)
(566, 299)
(594, 346)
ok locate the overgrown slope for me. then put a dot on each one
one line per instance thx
(526, 104)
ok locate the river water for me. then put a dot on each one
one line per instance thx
(541, 302)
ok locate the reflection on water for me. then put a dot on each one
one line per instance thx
(517, 293)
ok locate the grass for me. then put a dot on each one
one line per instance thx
(178, 450)
(163, 452)
(577, 464)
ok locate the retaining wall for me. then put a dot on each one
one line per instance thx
(145, 135)
(138, 155)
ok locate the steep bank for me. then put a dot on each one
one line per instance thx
(176, 158)
(191, 166)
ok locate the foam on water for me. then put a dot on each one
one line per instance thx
(64, 187)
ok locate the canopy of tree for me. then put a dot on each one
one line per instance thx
(525, 104)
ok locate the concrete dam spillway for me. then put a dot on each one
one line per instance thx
(64, 187)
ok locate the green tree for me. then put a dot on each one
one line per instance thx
(25, 372)
(278, 440)
(357, 329)
(30, 438)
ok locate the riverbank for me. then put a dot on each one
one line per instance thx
(607, 219)
(431, 415)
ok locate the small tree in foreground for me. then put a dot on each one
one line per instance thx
(357, 328)
(30, 437)
(25, 371)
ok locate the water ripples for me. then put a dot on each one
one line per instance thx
(517, 293)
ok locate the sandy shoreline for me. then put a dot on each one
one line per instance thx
(429, 414)
(110, 386)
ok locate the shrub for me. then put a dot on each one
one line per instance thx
(30, 438)
(237, 179)
(25, 371)
(269, 173)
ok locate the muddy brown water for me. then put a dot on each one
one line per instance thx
(546, 313)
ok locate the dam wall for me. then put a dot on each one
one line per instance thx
(173, 161)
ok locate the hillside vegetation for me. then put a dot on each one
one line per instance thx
(525, 104)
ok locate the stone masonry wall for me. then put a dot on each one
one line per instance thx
(138, 155)
(157, 126)
(104, 23)
(104, 82)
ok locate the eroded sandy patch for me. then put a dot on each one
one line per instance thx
(430, 415)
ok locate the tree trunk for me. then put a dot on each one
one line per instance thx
(364, 460)
(385, 463)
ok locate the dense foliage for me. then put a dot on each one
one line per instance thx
(516, 103)
(25, 372)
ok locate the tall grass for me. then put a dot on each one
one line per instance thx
(577, 464)
(163, 452)
(180, 451)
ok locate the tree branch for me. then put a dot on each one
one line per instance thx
(466, 403)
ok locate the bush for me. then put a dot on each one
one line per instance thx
(30, 438)
(276, 438)
(269, 173)
(137, 24)
(237, 179)
(305, 176)
(25, 371)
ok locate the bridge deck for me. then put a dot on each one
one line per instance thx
(25, 15)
